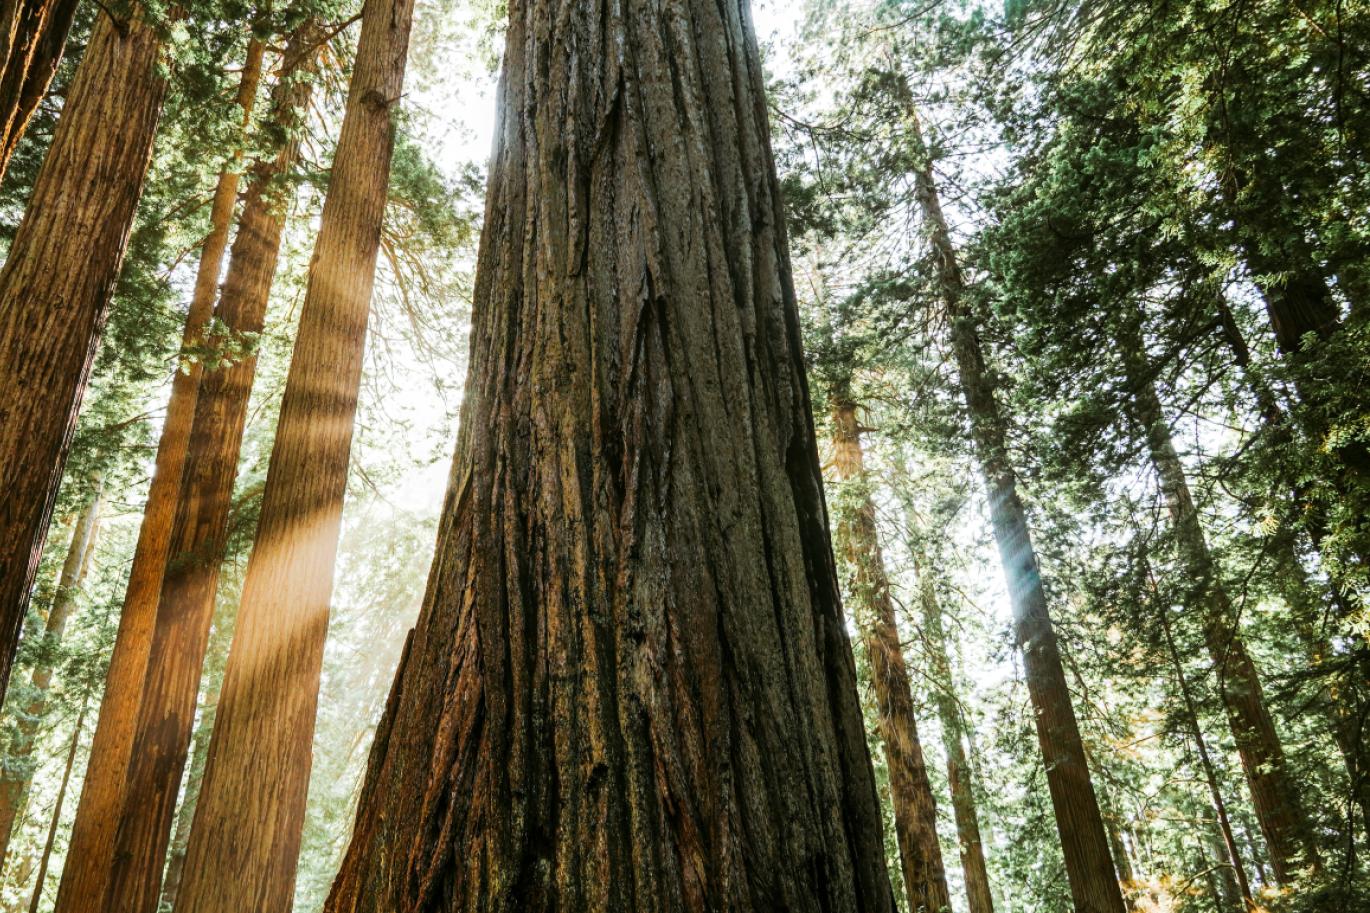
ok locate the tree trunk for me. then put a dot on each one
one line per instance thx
(57, 812)
(1343, 697)
(56, 285)
(1084, 843)
(960, 775)
(86, 875)
(915, 809)
(260, 750)
(630, 686)
(35, 35)
(1274, 795)
(164, 717)
(14, 784)
(199, 755)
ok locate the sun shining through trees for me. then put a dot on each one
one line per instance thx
(845, 455)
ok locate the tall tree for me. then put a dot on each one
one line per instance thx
(1274, 793)
(84, 878)
(915, 809)
(1084, 842)
(18, 773)
(33, 35)
(630, 686)
(237, 857)
(960, 773)
(57, 803)
(56, 284)
(159, 727)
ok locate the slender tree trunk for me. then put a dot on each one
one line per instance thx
(1274, 794)
(56, 285)
(14, 784)
(915, 809)
(1226, 888)
(261, 746)
(1344, 696)
(199, 755)
(1084, 843)
(960, 775)
(630, 686)
(166, 712)
(57, 812)
(86, 875)
(1215, 792)
(34, 35)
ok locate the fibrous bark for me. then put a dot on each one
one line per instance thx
(56, 285)
(86, 875)
(161, 728)
(18, 774)
(915, 809)
(246, 834)
(1084, 843)
(630, 686)
(33, 35)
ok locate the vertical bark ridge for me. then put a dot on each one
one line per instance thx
(56, 285)
(36, 35)
(630, 686)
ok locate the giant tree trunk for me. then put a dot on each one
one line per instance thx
(56, 285)
(630, 686)
(1274, 795)
(33, 35)
(161, 726)
(245, 839)
(14, 784)
(960, 774)
(86, 874)
(1084, 842)
(915, 809)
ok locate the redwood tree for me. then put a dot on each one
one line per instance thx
(85, 876)
(161, 728)
(630, 686)
(1084, 842)
(33, 35)
(915, 809)
(245, 839)
(56, 285)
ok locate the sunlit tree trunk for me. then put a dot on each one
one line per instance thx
(14, 783)
(960, 772)
(1274, 794)
(166, 710)
(915, 809)
(56, 285)
(1084, 843)
(630, 686)
(245, 838)
(216, 654)
(33, 35)
(86, 874)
